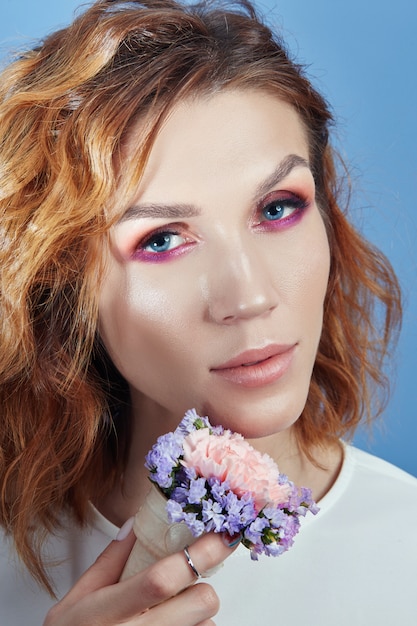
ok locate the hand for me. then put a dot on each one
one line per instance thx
(161, 595)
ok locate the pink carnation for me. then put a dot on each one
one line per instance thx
(230, 458)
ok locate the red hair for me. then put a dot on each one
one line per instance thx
(66, 109)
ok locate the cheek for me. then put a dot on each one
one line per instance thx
(141, 324)
(308, 269)
(316, 289)
(317, 269)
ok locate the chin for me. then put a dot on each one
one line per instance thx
(255, 422)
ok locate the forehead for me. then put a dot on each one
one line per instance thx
(220, 133)
(215, 112)
(206, 143)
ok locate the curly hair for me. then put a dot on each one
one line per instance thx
(66, 109)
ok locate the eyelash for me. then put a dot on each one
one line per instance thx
(286, 201)
(173, 230)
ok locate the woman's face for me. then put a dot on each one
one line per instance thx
(218, 271)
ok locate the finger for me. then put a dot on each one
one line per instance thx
(196, 605)
(105, 571)
(164, 579)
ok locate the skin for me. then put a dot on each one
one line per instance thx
(231, 279)
(232, 286)
(247, 268)
(161, 595)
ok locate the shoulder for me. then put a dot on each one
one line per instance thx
(373, 468)
(72, 549)
(21, 600)
(367, 485)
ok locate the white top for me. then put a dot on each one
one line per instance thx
(354, 564)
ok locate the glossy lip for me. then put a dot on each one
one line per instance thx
(256, 368)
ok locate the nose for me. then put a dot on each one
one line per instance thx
(241, 286)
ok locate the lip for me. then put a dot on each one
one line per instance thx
(258, 367)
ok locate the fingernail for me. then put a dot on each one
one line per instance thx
(231, 541)
(125, 529)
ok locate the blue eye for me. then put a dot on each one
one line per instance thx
(274, 211)
(281, 208)
(163, 242)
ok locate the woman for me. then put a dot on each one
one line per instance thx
(171, 238)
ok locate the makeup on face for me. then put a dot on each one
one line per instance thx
(218, 269)
(275, 210)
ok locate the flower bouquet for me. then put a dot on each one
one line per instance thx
(210, 479)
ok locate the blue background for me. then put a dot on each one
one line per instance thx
(362, 56)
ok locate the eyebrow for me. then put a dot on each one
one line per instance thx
(282, 171)
(166, 211)
(180, 211)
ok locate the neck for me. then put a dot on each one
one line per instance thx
(318, 472)
(127, 496)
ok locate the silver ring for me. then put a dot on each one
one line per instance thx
(190, 563)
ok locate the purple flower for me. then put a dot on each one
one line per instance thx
(218, 489)
(163, 458)
(206, 503)
(197, 490)
(176, 514)
(213, 517)
(191, 421)
(275, 516)
(196, 526)
(253, 532)
(180, 495)
(174, 511)
(240, 512)
(274, 549)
